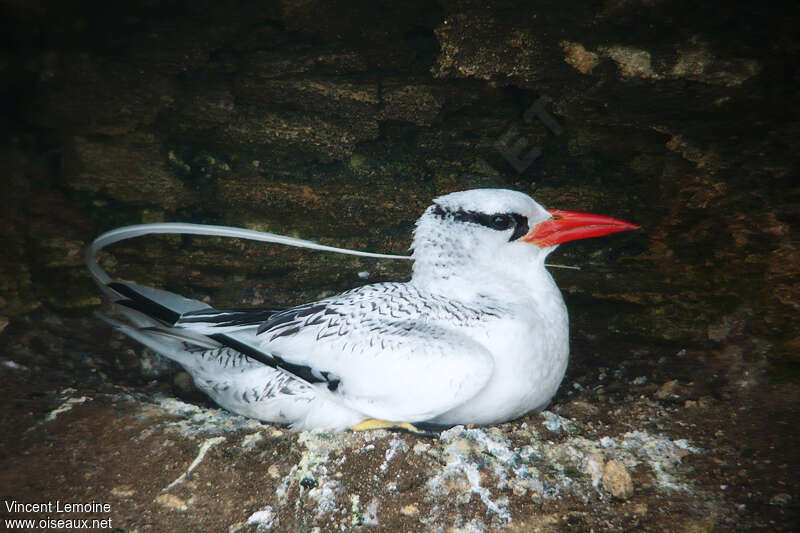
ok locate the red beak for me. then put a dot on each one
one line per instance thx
(571, 225)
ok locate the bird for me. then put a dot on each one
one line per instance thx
(478, 335)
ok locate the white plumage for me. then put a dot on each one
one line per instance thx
(478, 335)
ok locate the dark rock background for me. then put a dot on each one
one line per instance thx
(339, 122)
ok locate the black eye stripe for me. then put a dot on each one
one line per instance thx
(521, 227)
(517, 221)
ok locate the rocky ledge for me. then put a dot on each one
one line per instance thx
(164, 464)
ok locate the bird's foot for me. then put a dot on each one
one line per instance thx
(374, 423)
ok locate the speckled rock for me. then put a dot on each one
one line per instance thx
(275, 479)
(616, 480)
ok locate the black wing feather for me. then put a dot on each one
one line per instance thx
(141, 303)
(290, 320)
(237, 317)
(229, 317)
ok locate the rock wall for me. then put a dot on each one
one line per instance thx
(340, 121)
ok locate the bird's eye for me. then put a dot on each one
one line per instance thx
(501, 222)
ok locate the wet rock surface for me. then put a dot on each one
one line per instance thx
(339, 123)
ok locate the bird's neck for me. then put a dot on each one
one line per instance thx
(508, 279)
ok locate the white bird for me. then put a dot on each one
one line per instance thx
(479, 335)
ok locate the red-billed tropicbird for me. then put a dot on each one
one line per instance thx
(479, 335)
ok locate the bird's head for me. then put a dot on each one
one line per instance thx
(498, 232)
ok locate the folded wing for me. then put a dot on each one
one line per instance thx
(364, 349)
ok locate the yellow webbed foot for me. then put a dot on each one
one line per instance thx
(373, 423)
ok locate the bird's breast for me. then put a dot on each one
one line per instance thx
(530, 349)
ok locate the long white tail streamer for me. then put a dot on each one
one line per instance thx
(185, 228)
